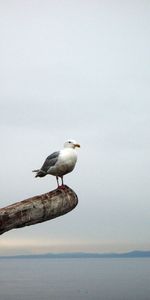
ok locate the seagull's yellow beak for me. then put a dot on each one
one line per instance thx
(77, 145)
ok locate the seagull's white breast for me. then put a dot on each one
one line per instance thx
(66, 162)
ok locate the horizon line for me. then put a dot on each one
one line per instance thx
(83, 254)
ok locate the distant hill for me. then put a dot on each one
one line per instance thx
(84, 255)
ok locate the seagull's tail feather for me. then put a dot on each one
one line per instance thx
(39, 173)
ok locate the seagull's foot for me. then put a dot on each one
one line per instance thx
(62, 187)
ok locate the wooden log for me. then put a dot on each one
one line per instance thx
(38, 209)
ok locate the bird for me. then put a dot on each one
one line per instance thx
(60, 163)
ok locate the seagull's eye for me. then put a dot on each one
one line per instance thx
(69, 142)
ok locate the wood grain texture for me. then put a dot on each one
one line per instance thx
(38, 209)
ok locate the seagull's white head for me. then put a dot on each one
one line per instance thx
(71, 144)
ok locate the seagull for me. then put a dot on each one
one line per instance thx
(60, 163)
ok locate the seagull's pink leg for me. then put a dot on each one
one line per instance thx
(62, 186)
(62, 181)
(57, 181)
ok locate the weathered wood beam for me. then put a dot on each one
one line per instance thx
(38, 209)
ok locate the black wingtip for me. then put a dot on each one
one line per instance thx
(40, 174)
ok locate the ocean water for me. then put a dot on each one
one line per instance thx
(72, 279)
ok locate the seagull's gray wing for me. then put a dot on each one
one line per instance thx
(49, 162)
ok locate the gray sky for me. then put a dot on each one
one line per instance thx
(81, 70)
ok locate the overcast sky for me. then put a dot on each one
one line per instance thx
(80, 70)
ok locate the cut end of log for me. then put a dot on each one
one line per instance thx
(38, 209)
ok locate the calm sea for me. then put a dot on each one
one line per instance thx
(72, 279)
